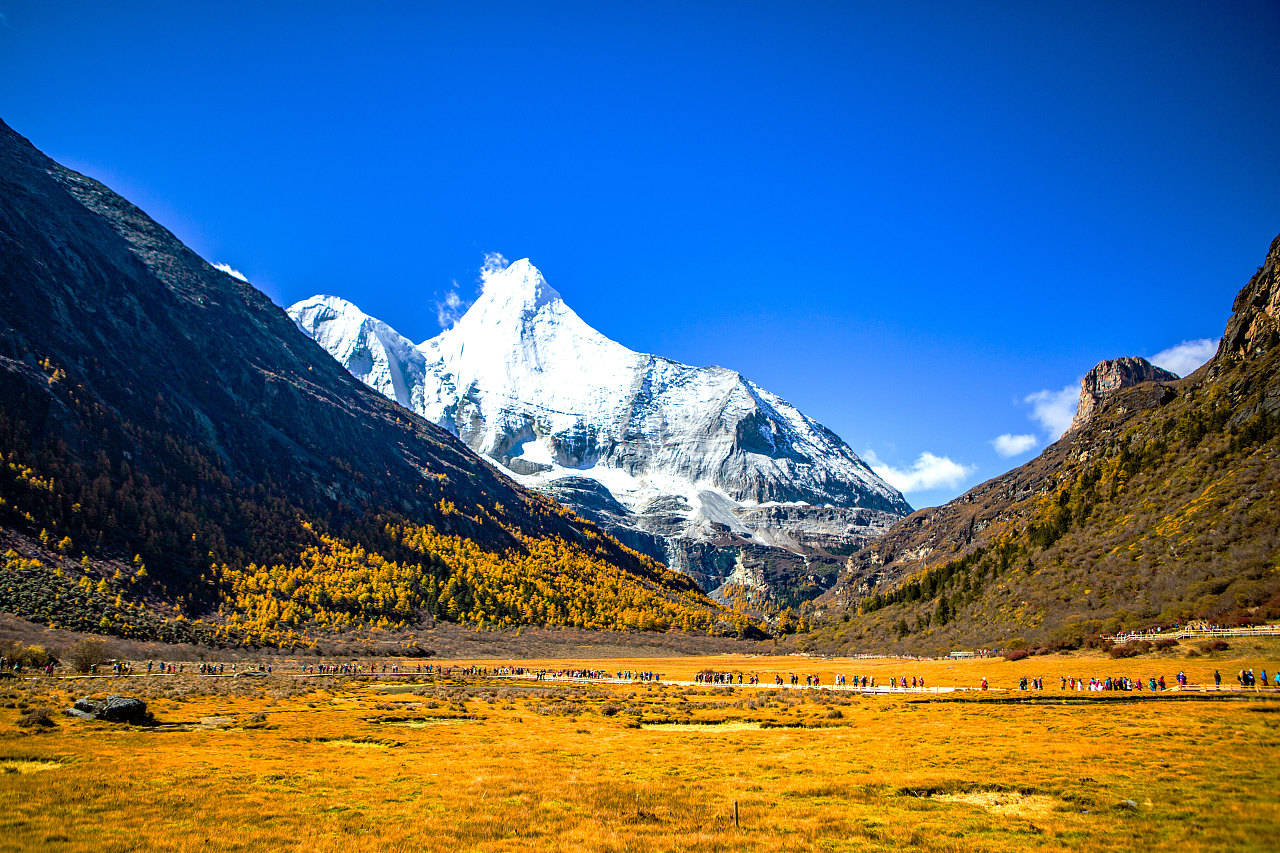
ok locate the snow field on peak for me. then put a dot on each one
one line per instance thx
(524, 381)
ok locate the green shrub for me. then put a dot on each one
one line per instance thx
(28, 657)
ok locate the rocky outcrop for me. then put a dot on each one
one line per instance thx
(1108, 377)
(1254, 328)
(592, 501)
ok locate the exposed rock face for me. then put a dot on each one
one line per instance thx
(677, 454)
(1254, 328)
(1108, 377)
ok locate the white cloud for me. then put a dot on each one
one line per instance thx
(451, 309)
(1186, 356)
(1054, 409)
(453, 306)
(494, 263)
(1013, 445)
(928, 472)
(234, 273)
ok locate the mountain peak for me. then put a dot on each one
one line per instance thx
(1111, 375)
(1254, 327)
(519, 286)
(519, 314)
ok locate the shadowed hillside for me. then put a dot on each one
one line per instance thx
(1162, 504)
(174, 450)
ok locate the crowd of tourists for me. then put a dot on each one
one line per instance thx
(855, 682)
(632, 675)
(1153, 683)
(711, 677)
(358, 668)
(896, 682)
(593, 674)
(1116, 682)
(1246, 678)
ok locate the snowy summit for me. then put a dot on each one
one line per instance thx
(525, 382)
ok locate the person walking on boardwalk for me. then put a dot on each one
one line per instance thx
(1217, 679)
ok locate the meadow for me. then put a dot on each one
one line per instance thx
(409, 762)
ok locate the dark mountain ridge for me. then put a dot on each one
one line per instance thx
(156, 406)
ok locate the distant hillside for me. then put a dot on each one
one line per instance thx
(1161, 503)
(175, 450)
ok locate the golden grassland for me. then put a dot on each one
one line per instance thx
(374, 763)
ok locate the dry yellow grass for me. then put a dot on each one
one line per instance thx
(486, 765)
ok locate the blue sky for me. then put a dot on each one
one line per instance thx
(905, 218)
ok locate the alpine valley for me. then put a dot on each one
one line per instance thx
(695, 466)
(178, 461)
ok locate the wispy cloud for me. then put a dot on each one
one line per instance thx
(234, 273)
(494, 263)
(929, 471)
(1013, 445)
(1054, 409)
(451, 308)
(1186, 356)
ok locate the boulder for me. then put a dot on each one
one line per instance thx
(117, 709)
(124, 709)
(85, 709)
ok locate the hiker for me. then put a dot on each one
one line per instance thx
(1217, 679)
(984, 682)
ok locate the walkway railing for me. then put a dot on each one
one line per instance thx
(1198, 633)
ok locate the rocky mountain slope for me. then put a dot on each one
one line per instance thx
(1161, 503)
(174, 448)
(669, 457)
(1110, 376)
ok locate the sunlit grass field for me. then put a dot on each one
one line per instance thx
(372, 763)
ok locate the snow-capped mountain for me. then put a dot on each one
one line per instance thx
(687, 452)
